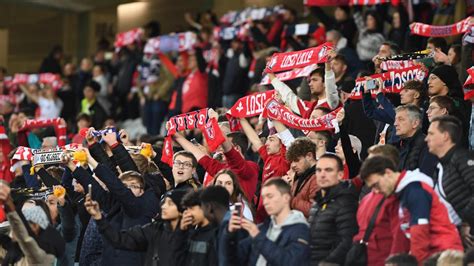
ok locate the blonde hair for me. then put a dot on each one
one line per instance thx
(451, 258)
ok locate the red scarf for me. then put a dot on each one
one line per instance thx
(197, 119)
(469, 93)
(440, 31)
(393, 80)
(298, 59)
(59, 129)
(248, 106)
(45, 78)
(292, 74)
(277, 111)
(125, 38)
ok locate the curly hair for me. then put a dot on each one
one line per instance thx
(300, 147)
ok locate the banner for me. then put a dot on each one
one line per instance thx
(47, 156)
(298, 59)
(393, 81)
(427, 30)
(277, 111)
(395, 65)
(129, 37)
(299, 29)
(240, 17)
(292, 74)
(180, 42)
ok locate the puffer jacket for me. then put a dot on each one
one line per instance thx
(303, 190)
(333, 223)
(414, 154)
(458, 182)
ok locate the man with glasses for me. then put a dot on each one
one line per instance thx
(184, 165)
(423, 218)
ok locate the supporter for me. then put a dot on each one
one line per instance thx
(235, 80)
(98, 75)
(341, 21)
(91, 106)
(344, 49)
(282, 239)
(52, 63)
(413, 149)
(370, 39)
(195, 242)
(49, 104)
(184, 165)
(83, 123)
(333, 215)
(454, 181)
(228, 180)
(301, 156)
(424, 219)
(154, 238)
(439, 106)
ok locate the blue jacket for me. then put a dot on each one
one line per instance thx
(384, 112)
(291, 247)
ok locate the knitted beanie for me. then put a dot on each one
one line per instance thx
(176, 195)
(36, 215)
(449, 76)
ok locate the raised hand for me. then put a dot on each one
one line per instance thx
(234, 222)
(186, 221)
(93, 208)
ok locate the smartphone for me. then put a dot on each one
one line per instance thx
(238, 208)
(372, 84)
(89, 188)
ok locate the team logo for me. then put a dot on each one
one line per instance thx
(210, 132)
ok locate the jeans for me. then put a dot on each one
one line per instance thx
(154, 115)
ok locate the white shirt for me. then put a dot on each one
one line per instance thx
(49, 108)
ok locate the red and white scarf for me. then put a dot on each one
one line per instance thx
(277, 111)
(290, 75)
(248, 106)
(45, 78)
(469, 93)
(298, 59)
(197, 119)
(180, 42)
(393, 80)
(390, 65)
(59, 129)
(440, 31)
(125, 38)
(240, 17)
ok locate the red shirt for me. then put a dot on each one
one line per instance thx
(194, 92)
(275, 165)
(246, 171)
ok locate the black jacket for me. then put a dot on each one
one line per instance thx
(98, 114)
(458, 182)
(154, 238)
(196, 246)
(414, 154)
(333, 223)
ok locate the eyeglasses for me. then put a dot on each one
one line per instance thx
(182, 164)
(133, 187)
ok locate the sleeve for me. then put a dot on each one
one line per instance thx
(200, 60)
(263, 153)
(123, 159)
(47, 179)
(238, 164)
(180, 247)
(304, 204)
(286, 137)
(101, 156)
(31, 180)
(371, 110)
(352, 159)
(346, 227)
(131, 239)
(212, 166)
(68, 223)
(331, 89)
(33, 253)
(388, 108)
(295, 252)
(287, 96)
(85, 178)
(465, 169)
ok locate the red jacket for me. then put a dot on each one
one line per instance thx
(275, 165)
(386, 238)
(246, 171)
(302, 199)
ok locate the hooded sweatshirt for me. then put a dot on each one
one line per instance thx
(273, 232)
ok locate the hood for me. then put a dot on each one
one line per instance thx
(413, 176)
(295, 217)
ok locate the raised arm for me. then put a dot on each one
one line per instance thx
(287, 95)
(28, 94)
(189, 146)
(330, 82)
(251, 134)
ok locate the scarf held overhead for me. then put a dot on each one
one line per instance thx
(427, 30)
(277, 111)
(298, 59)
(59, 128)
(290, 75)
(192, 120)
(393, 81)
(171, 43)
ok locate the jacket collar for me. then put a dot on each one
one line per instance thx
(447, 157)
